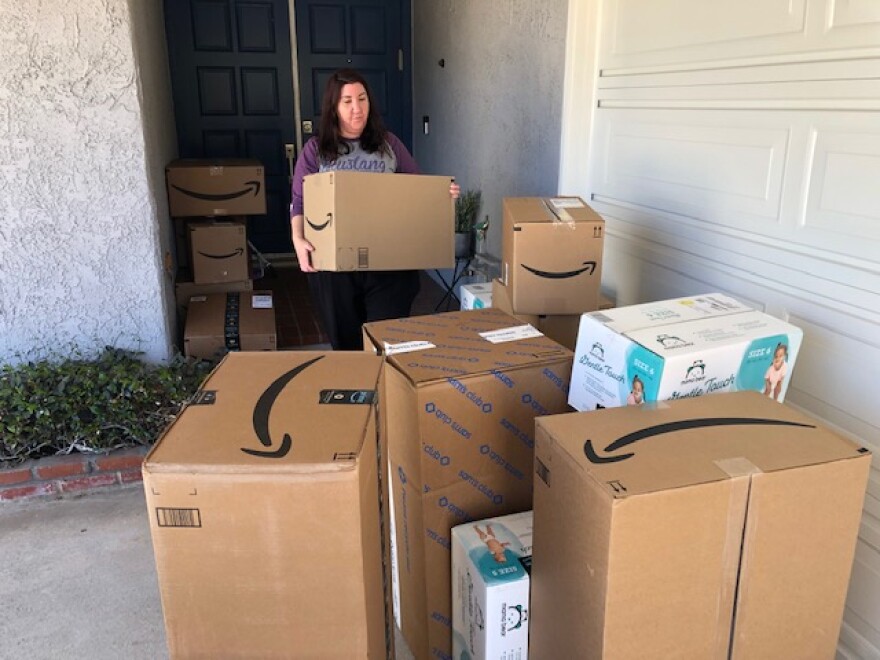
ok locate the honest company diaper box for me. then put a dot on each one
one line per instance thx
(231, 321)
(372, 221)
(680, 348)
(491, 562)
(460, 395)
(475, 296)
(551, 254)
(717, 527)
(263, 499)
(212, 187)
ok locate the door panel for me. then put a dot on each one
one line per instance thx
(367, 35)
(233, 94)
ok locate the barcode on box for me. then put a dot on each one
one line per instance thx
(167, 517)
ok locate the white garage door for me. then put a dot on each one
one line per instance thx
(735, 147)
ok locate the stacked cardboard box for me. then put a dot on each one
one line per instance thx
(460, 394)
(370, 221)
(217, 323)
(716, 527)
(551, 263)
(209, 201)
(681, 348)
(265, 511)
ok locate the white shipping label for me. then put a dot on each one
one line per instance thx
(407, 347)
(567, 203)
(514, 333)
(261, 302)
(395, 566)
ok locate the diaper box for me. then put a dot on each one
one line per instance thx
(680, 349)
(475, 296)
(491, 564)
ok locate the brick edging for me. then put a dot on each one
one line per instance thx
(73, 474)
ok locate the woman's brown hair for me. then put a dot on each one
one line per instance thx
(329, 140)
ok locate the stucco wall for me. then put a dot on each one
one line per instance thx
(81, 251)
(496, 106)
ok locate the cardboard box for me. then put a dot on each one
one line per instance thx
(263, 497)
(552, 254)
(371, 221)
(491, 563)
(219, 251)
(561, 328)
(459, 413)
(678, 349)
(220, 322)
(185, 288)
(475, 296)
(718, 527)
(215, 187)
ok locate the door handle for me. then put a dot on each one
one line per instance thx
(290, 154)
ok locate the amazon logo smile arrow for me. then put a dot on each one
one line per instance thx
(588, 266)
(264, 408)
(673, 427)
(251, 187)
(234, 253)
(321, 226)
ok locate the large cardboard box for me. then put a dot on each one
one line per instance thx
(371, 221)
(232, 321)
(680, 348)
(561, 328)
(552, 254)
(491, 563)
(185, 288)
(459, 400)
(263, 497)
(215, 187)
(219, 251)
(717, 527)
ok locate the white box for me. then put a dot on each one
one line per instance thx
(491, 563)
(672, 350)
(475, 296)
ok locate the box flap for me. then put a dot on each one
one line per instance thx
(548, 210)
(631, 451)
(667, 312)
(453, 344)
(274, 412)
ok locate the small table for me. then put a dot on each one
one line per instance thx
(461, 267)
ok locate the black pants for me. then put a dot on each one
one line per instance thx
(348, 300)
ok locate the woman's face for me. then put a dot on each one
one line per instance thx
(353, 110)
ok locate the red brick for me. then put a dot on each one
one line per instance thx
(85, 483)
(61, 466)
(130, 476)
(20, 492)
(14, 476)
(124, 460)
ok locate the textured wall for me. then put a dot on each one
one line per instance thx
(80, 243)
(496, 106)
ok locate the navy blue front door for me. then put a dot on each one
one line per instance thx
(371, 36)
(232, 82)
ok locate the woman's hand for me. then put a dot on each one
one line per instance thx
(304, 251)
(302, 247)
(454, 190)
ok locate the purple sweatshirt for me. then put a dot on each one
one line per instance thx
(309, 162)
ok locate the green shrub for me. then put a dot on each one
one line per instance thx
(115, 400)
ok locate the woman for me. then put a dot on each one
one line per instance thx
(351, 136)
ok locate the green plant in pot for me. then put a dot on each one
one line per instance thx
(467, 210)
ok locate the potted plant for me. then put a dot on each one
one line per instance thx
(467, 210)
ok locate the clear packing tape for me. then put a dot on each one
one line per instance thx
(558, 207)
